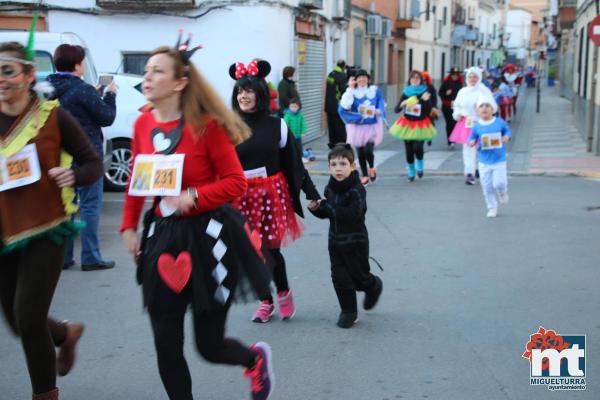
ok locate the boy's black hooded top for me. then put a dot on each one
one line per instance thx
(345, 205)
(83, 102)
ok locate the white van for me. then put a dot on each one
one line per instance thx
(119, 132)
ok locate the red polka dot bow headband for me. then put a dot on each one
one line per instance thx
(257, 68)
(241, 70)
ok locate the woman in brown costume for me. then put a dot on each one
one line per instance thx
(36, 141)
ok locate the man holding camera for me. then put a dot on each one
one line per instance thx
(93, 110)
(336, 86)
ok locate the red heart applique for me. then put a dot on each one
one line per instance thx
(175, 273)
(255, 240)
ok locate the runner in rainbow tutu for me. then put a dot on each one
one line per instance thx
(414, 126)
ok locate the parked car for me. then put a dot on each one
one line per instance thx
(45, 44)
(129, 101)
(117, 137)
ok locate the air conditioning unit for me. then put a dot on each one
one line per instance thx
(386, 28)
(312, 4)
(342, 10)
(374, 25)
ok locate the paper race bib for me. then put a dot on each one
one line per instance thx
(414, 110)
(469, 122)
(256, 173)
(366, 111)
(490, 141)
(156, 175)
(21, 169)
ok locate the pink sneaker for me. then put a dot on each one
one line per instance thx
(262, 379)
(264, 312)
(287, 309)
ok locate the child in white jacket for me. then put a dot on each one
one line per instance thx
(465, 112)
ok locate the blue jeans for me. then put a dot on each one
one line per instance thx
(90, 203)
(299, 141)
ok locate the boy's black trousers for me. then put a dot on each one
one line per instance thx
(350, 272)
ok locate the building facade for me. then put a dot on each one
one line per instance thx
(306, 34)
(586, 95)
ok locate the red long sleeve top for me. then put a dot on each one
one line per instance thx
(211, 165)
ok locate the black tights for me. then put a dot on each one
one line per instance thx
(28, 279)
(167, 318)
(275, 258)
(414, 148)
(366, 155)
(450, 122)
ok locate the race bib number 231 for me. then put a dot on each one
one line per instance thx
(156, 175)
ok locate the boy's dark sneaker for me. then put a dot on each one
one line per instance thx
(372, 296)
(262, 380)
(347, 319)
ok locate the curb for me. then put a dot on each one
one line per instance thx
(549, 174)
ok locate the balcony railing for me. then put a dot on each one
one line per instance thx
(407, 23)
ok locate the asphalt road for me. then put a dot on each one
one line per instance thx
(462, 294)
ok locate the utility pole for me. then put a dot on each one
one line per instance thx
(538, 84)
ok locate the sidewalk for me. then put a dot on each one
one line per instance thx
(545, 143)
(556, 146)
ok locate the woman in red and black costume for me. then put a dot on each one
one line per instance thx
(195, 248)
(273, 166)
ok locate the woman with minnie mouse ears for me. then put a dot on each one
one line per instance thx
(273, 167)
(195, 249)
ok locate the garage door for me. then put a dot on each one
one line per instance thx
(311, 84)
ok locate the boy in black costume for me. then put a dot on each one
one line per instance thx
(345, 205)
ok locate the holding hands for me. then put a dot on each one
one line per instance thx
(314, 204)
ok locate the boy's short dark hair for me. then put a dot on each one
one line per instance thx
(341, 150)
(295, 100)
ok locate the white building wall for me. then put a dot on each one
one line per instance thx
(430, 39)
(518, 28)
(228, 36)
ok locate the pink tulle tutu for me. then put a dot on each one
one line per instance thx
(460, 133)
(359, 135)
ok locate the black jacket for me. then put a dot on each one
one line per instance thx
(336, 86)
(262, 150)
(86, 105)
(345, 205)
(453, 86)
